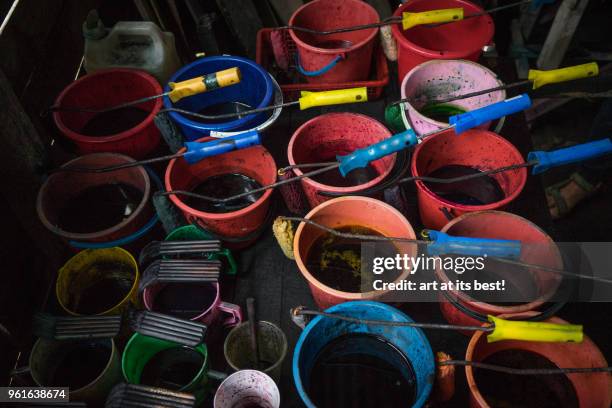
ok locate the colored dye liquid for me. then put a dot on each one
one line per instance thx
(333, 44)
(107, 284)
(524, 391)
(115, 121)
(223, 186)
(441, 112)
(221, 109)
(185, 300)
(477, 191)
(99, 207)
(361, 370)
(353, 178)
(336, 261)
(172, 368)
(83, 363)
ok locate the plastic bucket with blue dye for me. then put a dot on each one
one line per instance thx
(255, 90)
(409, 341)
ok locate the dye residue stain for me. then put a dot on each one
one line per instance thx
(363, 370)
(223, 186)
(184, 300)
(441, 112)
(336, 261)
(107, 284)
(524, 391)
(99, 207)
(172, 368)
(81, 365)
(115, 121)
(476, 191)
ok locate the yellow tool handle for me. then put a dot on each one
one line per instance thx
(541, 78)
(410, 20)
(534, 331)
(337, 97)
(204, 83)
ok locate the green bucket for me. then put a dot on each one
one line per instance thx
(141, 349)
(193, 233)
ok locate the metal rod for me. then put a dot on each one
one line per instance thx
(526, 371)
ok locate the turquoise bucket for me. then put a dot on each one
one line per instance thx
(410, 341)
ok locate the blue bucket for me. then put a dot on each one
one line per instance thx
(410, 341)
(255, 89)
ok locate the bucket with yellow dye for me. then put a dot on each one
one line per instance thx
(98, 282)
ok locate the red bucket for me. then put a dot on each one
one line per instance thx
(105, 89)
(255, 162)
(503, 225)
(342, 57)
(63, 186)
(476, 148)
(591, 389)
(324, 137)
(458, 40)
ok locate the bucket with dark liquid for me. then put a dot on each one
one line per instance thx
(495, 389)
(165, 364)
(445, 155)
(89, 368)
(98, 282)
(129, 130)
(345, 364)
(97, 207)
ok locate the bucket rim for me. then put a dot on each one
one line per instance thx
(97, 140)
(148, 300)
(232, 125)
(129, 295)
(462, 207)
(490, 308)
(295, 368)
(404, 42)
(324, 187)
(408, 106)
(94, 236)
(313, 281)
(217, 216)
(113, 355)
(283, 353)
(335, 51)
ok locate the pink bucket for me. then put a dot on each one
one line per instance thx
(440, 79)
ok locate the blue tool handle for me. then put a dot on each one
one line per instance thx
(197, 151)
(362, 157)
(477, 117)
(445, 244)
(568, 155)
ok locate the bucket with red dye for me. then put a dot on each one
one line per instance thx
(237, 222)
(129, 130)
(457, 40)
(339, 57)
(323, 138)
(447, 155)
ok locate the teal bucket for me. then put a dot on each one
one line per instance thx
(408, 340)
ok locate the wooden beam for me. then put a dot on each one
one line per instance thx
(561, 33)
(242, 18)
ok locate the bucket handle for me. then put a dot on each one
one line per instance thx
(132, 237)
(234, 313)
(319, 71)
(448, 213)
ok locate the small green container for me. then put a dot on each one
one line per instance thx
(193, 233)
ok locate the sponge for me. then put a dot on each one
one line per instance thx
(284, 233)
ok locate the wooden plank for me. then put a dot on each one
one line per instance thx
(521, 62)
(561, 33)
